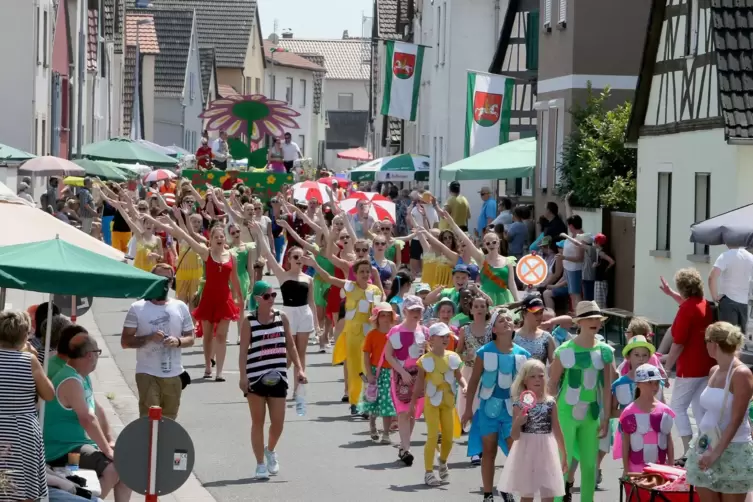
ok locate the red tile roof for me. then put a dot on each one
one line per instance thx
(146, 33)
(290, 59)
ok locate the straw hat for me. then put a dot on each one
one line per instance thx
(588, 310)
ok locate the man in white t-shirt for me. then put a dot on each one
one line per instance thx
(290, 152)
(158, 330)
(729, 282)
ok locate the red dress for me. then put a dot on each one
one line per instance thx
(216, 302)
(333, 294)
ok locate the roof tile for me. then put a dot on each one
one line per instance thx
(173, 28)
(289, 59)
(206, 58)
(129, 76)
(146, 32)
(345, 59)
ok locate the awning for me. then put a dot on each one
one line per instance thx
(733, 228)
(516, 159)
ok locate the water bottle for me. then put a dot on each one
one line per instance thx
(300, 400)
(167, 360)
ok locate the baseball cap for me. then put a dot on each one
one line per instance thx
(647, 373)
(533, 303)
(423, 288)
(439, 329)
(412, 302)
(461, 268)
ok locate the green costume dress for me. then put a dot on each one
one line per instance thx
(395, 248)
(321, 288)
(241, 265)
(494, 282)
(579, 406)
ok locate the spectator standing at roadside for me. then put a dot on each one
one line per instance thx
(158, 329)
(729, 282)
(556, 226)
(87, 210)
(290, 152)
(517, 234)
(488, 211)
(573, 260)
(457, 206)
(221, 151)
(505, 216)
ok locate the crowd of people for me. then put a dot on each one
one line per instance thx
(426, 321)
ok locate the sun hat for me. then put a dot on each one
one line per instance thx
(439, 329)
(647, 373)
(636, 342)
(426, 197)
(588, 310)
(379, 308)
(461, 268)
(532, 303)
(422, 287)
(412, 302)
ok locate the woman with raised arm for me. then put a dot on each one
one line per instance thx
(219, 303)
(148, 244)
(497, 271)
(297, 290)
(395, 246)
(459, 256)
(190, 269)
(243, 253)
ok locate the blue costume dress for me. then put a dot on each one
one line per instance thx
(494, 414)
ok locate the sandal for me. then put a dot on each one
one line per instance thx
(385, 438)
(207, 375)
(219, 379)
(374, 433)
(406, 456)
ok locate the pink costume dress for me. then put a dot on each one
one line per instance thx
(649, 433)
(408, 347)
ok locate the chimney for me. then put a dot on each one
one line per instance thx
(274, 38)
(287, 34)
(345, 35)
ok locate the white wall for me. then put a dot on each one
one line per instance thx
(359, 89)
(305, 107)
(684, 155)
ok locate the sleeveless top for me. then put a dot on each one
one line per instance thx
(440, 377)
(712, 400)
(539, 418)
(18, 393)
(294, 293)
(538, 347)
(62, 430)
(267, 350)
(385, 272)
(472, 344)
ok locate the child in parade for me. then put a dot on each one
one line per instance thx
(405, 347)
(582, 368)
(496, 366)
(379, 374)
(640, 327)
(437, 377)
(537, 458)
(646, 424)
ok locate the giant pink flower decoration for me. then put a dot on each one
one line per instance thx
(254, 115)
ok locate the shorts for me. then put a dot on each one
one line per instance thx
(486, 426)
(574, 280)
(159, 391)
(588, 290)
(86, 224)
(90, 458)
(220, 164)
(300, 319)
(416, 250)
(280, 389)
(561, 291)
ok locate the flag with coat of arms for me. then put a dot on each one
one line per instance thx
(402, 79)
(487, 115)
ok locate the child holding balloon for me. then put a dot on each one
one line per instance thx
(537, 457)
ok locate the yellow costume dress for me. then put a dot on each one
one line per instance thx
(189, 274)
(429, 268)
(358, 305)
(142, 260)
(442, 272)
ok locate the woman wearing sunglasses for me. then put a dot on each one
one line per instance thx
(460, 255)
(297, 293)
(386, 268)
(275, 157)
(395, 247)
(266, 347)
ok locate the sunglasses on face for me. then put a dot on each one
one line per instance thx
(96, 351)
(257, 209)
(492, 243)
(362, 250)
(344, 238)
(267, 296)
(234, 234)
(380, 243)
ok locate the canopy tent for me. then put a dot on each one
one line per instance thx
(10, 154)
(405, 167)
(50, 166)
(733, 228)
(164, 150)
(105, 170)
(360, 154)
(126, 151)
(515, 159)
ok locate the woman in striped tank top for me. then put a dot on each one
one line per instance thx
(265, 346)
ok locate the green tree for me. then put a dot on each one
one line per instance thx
(597, 168)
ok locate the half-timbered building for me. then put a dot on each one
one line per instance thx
(693, 126)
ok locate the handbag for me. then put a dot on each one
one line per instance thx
(403, 389)
(709, 440)
(371, 393)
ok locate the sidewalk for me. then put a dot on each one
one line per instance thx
(112, 392)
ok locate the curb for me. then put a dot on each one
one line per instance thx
(121, 406)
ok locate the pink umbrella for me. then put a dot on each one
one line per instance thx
(159, 175)
(380, 207)
(308, 190)
(355, 154)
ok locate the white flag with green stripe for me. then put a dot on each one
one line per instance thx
(402, 79)
(487, 114)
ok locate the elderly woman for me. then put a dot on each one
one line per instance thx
(688, 348)
(721, 459)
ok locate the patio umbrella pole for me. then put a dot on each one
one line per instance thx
(73, 309)
(3, 292)
(47, 335)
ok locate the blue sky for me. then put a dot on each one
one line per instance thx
(314, 18)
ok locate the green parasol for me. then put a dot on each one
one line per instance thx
(57, 267)
(105, 170)
(126, 151)
(14, 154)
(405, 167)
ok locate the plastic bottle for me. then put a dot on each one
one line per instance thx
(300, 400)
(167, 360)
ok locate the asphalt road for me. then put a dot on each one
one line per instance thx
(324, 455)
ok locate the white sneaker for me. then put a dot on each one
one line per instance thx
(261, 472)
(272, 465)
(431, 480)
(444, 471)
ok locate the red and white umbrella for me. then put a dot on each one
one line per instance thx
(308, 190)
(355, 154)
(169, 199)
(380, 207)
(159, 175)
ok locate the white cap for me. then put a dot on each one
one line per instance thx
(439, 329)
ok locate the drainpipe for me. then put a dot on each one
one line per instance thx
(81, 77)
(496, 23)
(34, 84)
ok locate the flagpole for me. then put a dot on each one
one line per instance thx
(479, 72)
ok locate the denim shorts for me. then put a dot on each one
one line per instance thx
(574, 279)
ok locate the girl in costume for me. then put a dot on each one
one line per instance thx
(190, 268)
(472, 337)
(646, 424)
(360, 298)
(385, 267)
(537, 457)
(497, 273)
(148, 244)
(496, 366)
(438, 375)
(456, 253)
(379, 374)
(395, 247)
(243, 254)
(640, 326)
(406, 345)
(398, 289)
(441, 251)
(582, 368)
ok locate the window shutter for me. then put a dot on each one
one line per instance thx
(544, 149)
(547, 13)
(532, 41)
(563, 13)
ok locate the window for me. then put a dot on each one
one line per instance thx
(303, 92)
(691, 28)
(526, 187)
(272, 85)
(191, 86)
(302, 144)
(444, 32)
(532, 40)
(289, 90)
(559, 138)
(36, 137)
(439, 33)
(702, 205)
(45, 50)
(247, 85)
(547, 15)
(345, 101)
(544, 149)
(39, 44)
(257, 86)
(44, 136)
(563, 14)
(664, 211)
